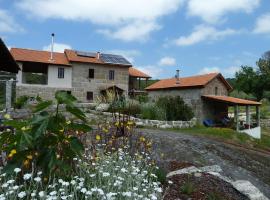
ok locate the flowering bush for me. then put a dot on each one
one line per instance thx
(46, 141)
(107, 176)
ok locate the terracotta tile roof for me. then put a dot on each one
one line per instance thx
(73, 57)
(187, 82)
(231, 100)
(137, 73)
(38, 56)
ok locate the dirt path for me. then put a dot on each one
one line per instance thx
(236, 163)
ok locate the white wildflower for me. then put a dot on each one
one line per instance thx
(21, 195)
(37, 179)
(105, 174)
(17, 170)
(27, 176)
(41, 194)
(10, 181)
(83, 190)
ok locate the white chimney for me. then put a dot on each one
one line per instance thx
(98, 55)
(177, 77)
(52, 44)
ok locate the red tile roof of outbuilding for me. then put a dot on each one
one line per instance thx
(231, 100)
(137, 73)
(188, 82)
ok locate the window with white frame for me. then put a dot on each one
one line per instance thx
(61, 72)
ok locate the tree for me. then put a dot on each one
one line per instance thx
(245, 79)
(252, 82)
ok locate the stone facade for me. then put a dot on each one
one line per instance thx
(79, 82)
(193, 97)
(82, 84)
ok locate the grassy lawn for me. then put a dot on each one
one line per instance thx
(229, 135)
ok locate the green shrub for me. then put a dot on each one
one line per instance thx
(175, 108)
(142, 98)
(188, 188)
(161, 175)
(151, 111)
(21, 101)
(46, 141)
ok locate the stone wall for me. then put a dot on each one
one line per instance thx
(106, 116)
(83, 84)
(44, 92)
(265, 123)
(97, 116)
(209, 89)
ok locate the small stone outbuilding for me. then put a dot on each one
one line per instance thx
(192, 89)
(208, 96)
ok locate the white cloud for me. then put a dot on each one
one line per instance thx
(122, 19)
(263, 24)
(7, 23)
(207, 70)
(230, 71)
(128, 54)
(204, 33)
(213, 11)
(138, 31)
(58, 47)
(227, 72)
(152, 70)
(167, 61)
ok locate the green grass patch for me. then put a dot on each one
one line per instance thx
(230, 135)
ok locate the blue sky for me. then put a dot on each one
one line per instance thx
(157, 36)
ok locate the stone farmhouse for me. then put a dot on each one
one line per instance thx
(208, 96)
(84, 74)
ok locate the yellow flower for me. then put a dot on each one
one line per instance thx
(25, 128)
(36, 153)
(30, 157)
(116, 124)
(62, 130)
(149, 144)
(105, 130)
(98, 137)
(7, 116)
(142, 139)
(68, 122)
(26, 163)
(12, 153)
(57, 156)
(130, 123)
(69, 136)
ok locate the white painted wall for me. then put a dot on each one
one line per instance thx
(253, 132)
(54, 81)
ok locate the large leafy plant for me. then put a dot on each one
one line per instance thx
(46, 141)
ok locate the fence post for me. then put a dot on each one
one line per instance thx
(9, 94)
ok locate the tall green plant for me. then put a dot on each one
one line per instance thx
(175, 108)
(47, 140)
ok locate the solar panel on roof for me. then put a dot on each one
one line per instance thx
(86, 54)
(114, 59)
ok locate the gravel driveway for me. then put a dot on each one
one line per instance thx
(236, 163)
